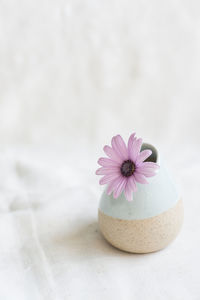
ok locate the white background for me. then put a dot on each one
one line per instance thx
(72, 75)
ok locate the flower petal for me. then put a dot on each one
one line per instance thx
(106, 170)
(143, 155)
(112, 154)
(119, 147)
(135, 149)
(128, 191)
(118, 190)
(148, 169)
(107, 162)
(113, 184)
(108, 178)
(150, 165)
(132, 183)
(130, 142)
(140, 178)
(146, 172)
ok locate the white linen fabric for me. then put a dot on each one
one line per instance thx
(72, 75)
(51, 247)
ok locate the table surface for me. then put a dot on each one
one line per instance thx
(51, 245)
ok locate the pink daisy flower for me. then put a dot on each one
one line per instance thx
(124, 166)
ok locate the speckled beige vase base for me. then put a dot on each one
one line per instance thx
(143, 236)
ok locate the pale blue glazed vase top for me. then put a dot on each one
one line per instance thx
(149, 200)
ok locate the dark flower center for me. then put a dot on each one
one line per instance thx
(127, 168)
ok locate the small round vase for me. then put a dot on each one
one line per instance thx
(151, 220)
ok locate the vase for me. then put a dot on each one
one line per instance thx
(151, 220)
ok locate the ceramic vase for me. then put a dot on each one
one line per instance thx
(151, 220)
